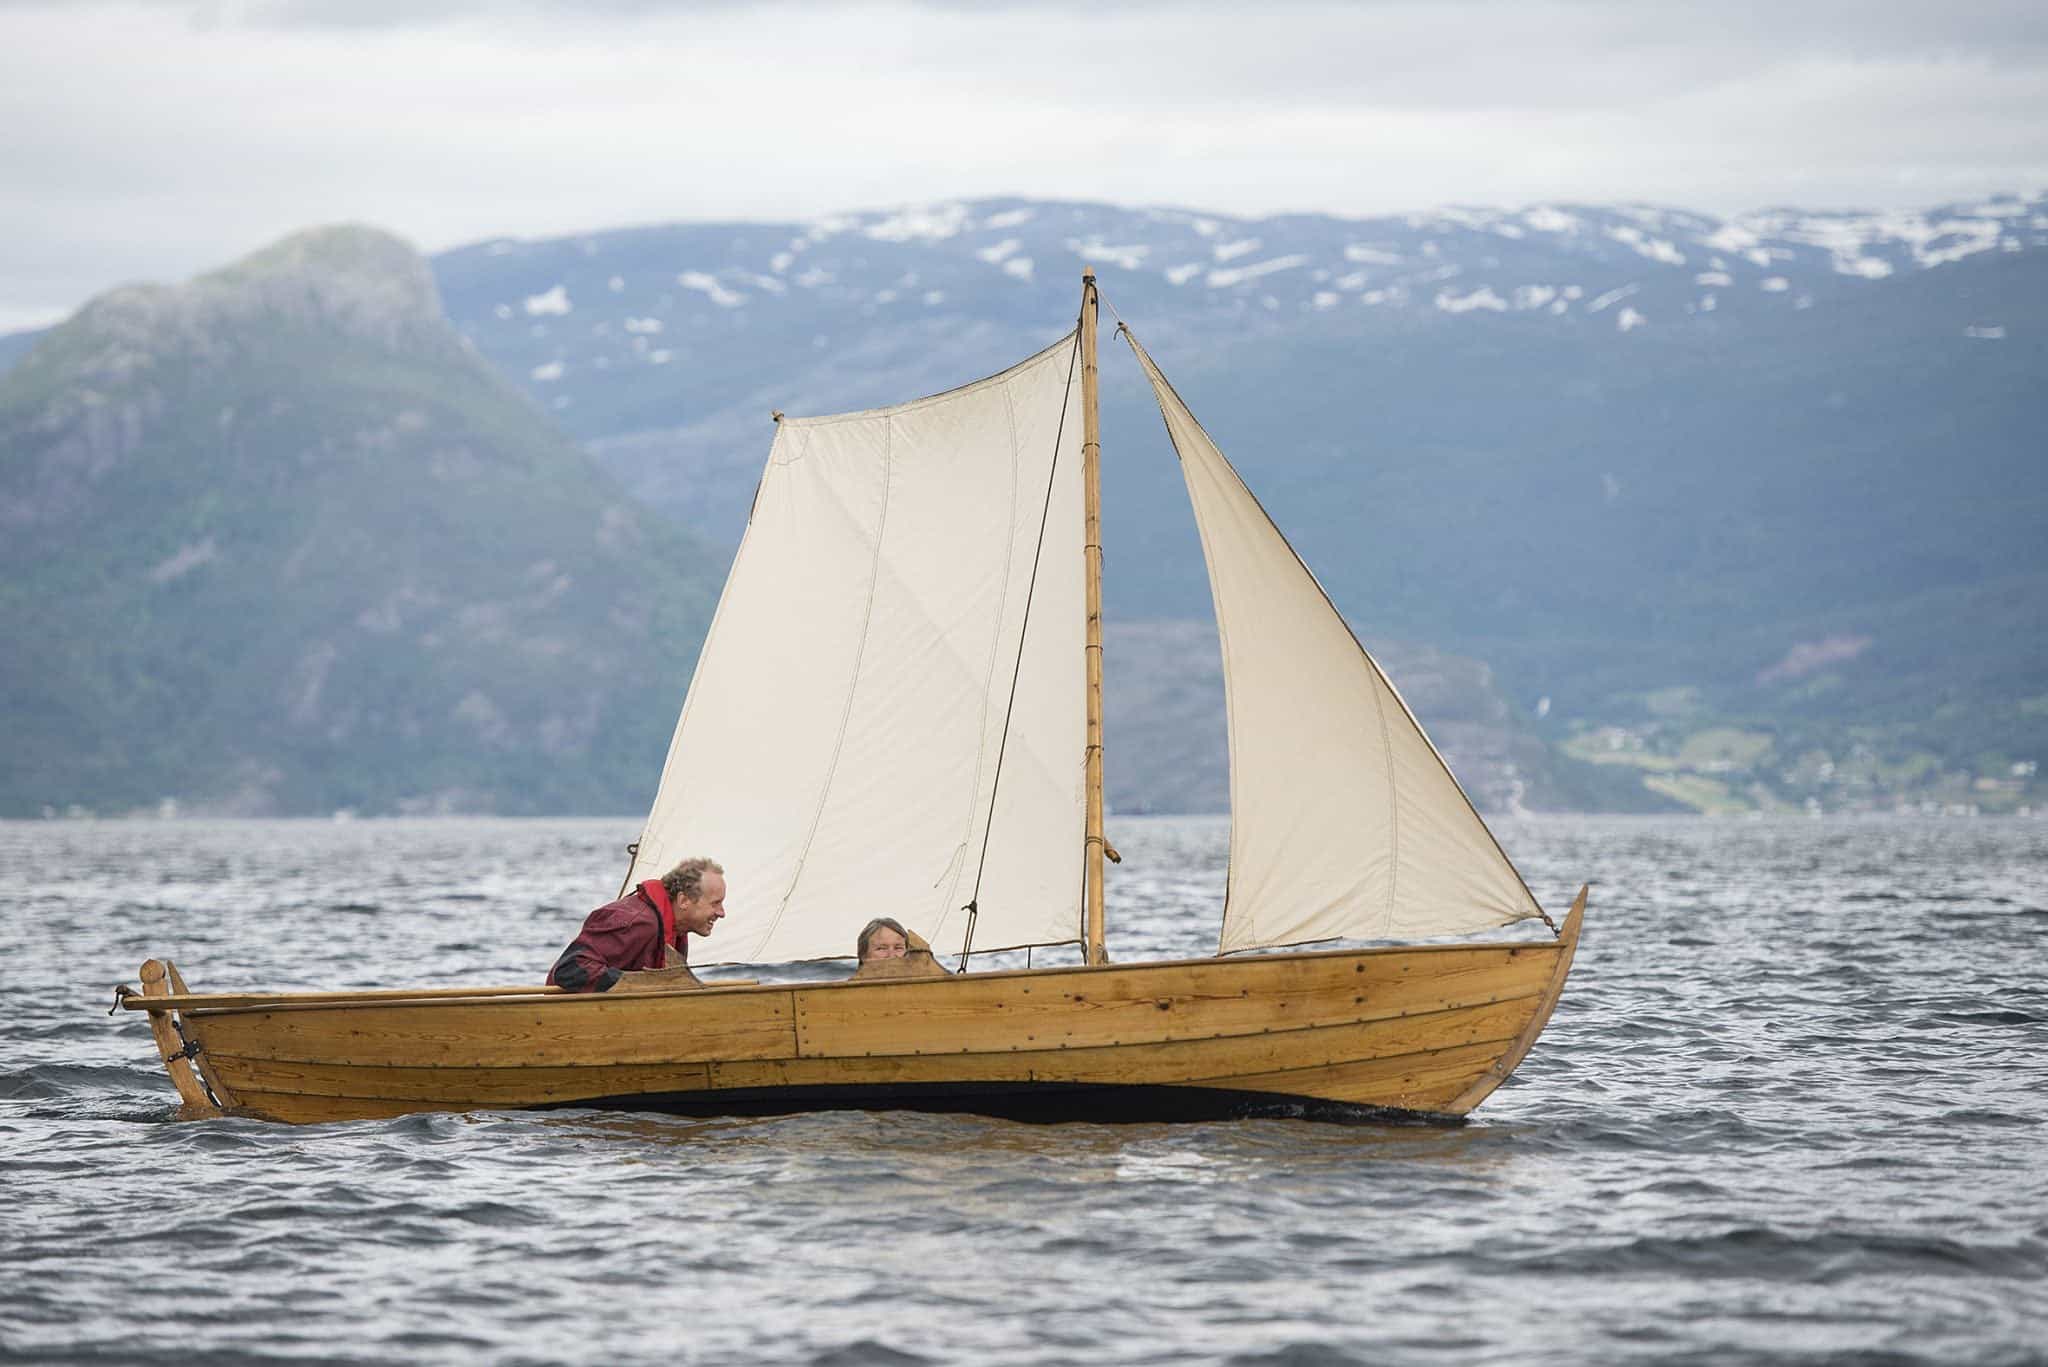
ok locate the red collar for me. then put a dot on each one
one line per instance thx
(654, 892)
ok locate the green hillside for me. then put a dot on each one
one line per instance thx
(277, 541)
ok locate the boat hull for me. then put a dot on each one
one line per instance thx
(1427, 1029)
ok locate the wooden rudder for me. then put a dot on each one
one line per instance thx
(195, 1103)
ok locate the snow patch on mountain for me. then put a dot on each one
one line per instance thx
(707, 285)
(1656, 248)
(1545, 219)
(1481, 298)
(923, 223)
(1094, 249)
(1612, 297)
(552, 301)
(1238, 275)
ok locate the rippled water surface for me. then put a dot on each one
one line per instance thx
(1793, 1107)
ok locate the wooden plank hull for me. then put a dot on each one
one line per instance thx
(1428, 1029)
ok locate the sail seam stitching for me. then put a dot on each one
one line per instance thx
(989, 673)
(1023, 632)
(1379, 710)
(852, 687)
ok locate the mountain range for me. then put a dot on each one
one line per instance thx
(1773, 481)
(1717, 512)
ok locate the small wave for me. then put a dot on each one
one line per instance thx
(1755, 1252)
(1988, 1017)
(1688, 1187)
(868, 1353)
(419, 1343)
(1307, 1355)
(1678, 1131)
(48, 1081)
(1982, 1117)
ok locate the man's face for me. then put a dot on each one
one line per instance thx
(705, 911)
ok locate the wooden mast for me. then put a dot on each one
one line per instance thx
(1091, 550)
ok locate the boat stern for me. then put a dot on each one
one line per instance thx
(198, 1096)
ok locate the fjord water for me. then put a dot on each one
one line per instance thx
(1793, 1107)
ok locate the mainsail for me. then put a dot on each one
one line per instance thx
(1345, 822)
(838, 749)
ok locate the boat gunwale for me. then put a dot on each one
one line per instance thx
(236, 1003)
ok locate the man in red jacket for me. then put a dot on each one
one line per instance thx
(639, 940)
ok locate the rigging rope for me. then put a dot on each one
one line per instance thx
(973, 907)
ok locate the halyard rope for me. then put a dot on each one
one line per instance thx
(973, 907)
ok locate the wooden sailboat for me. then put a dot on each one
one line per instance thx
(898, 711)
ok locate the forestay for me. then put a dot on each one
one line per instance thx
(1345, 822)
(837, 752)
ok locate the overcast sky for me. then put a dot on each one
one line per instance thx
(154, 140)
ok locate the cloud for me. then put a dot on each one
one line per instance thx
(155, 139)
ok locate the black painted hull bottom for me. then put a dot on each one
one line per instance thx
(1039, 1103)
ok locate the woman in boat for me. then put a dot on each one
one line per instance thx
(887, 950)
(882, 938)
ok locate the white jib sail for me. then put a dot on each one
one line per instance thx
(837, 750)
(1345, 822)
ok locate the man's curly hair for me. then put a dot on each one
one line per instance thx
(685, 882)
